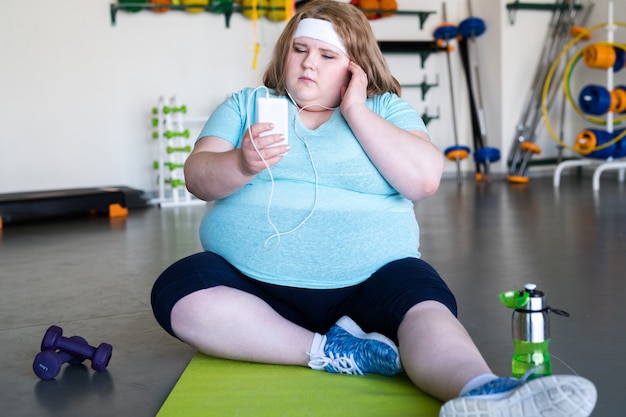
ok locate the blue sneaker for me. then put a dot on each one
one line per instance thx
(549, 396)
(347, 349)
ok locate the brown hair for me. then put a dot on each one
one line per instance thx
(356, 33)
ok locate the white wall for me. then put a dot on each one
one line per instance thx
(76, 93)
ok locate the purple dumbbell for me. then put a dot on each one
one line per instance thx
(48, 364)
(53, 340)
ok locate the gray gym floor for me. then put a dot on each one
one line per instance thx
(92, 276)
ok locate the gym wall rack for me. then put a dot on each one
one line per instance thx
(423, 48)
(517, 5)
(228, 9)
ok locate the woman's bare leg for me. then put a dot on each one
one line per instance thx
(229, 323)
(437, 352)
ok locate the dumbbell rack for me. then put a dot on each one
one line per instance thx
(609, 163)
(174, 147)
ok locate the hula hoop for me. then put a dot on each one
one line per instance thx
(546, 85)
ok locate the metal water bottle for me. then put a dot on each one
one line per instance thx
(531, 331)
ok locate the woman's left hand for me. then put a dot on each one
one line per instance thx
(355, 93)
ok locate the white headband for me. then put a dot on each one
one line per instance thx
(322, 30)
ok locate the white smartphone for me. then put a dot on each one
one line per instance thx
(273, 110)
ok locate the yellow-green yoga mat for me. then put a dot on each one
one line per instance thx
(224, 388)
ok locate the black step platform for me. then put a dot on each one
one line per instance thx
(16, 207)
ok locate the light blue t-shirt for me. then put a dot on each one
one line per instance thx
(358, 222)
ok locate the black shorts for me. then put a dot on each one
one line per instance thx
(377, 304)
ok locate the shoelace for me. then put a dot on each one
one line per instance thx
(340, 364)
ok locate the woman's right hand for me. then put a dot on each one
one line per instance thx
(259, 152)
(215, 169)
